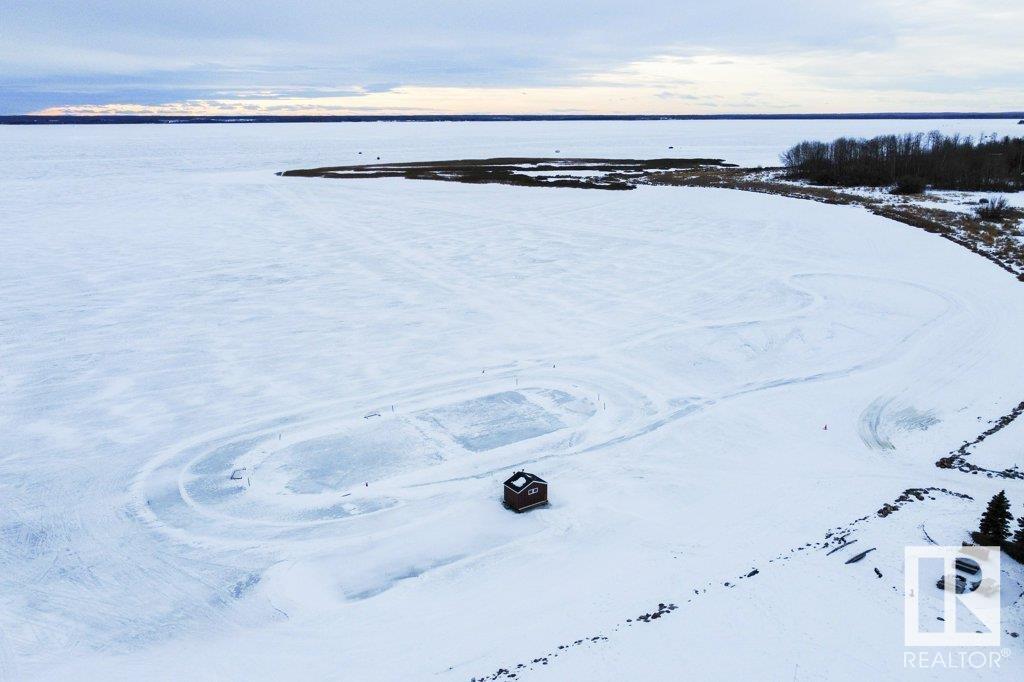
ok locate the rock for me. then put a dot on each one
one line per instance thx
(960, 584)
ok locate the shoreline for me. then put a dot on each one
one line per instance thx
(937, 211)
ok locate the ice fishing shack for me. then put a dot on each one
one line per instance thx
(524, 490)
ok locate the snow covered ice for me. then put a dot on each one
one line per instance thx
(256, 427)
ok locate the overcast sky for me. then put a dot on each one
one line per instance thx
(512, 56)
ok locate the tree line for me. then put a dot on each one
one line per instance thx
(913, 161)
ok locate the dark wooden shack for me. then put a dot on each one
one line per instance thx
(524, 491)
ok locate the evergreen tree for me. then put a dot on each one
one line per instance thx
(995, 522)
(1018, 537)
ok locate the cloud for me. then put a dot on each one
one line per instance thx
(582, 55)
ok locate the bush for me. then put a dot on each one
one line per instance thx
(944, 162)
(909, 184)
(996, 209)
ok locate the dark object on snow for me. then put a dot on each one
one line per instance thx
(836, 549)
(663, 610)
(524, 491)
(996, 209)
(877, 572)
(967, 565)
(959, 584)
(909, 184)
(974, 550)
(236, 475)
(854, 559)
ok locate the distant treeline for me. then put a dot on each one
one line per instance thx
(944, 162)
(36, 119)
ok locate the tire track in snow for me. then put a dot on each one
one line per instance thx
(899, 347)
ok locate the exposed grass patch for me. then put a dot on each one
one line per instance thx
(994, 209)
(615, 174)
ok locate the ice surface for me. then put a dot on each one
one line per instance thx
(339, 461)
(666, 358)
(494, 420)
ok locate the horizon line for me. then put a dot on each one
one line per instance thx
(43, 119)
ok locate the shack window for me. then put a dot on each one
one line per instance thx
(531, 491)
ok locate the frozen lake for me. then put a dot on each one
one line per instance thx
(258, 425)
(113, 149)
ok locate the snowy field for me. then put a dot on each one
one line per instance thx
(256, 427)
